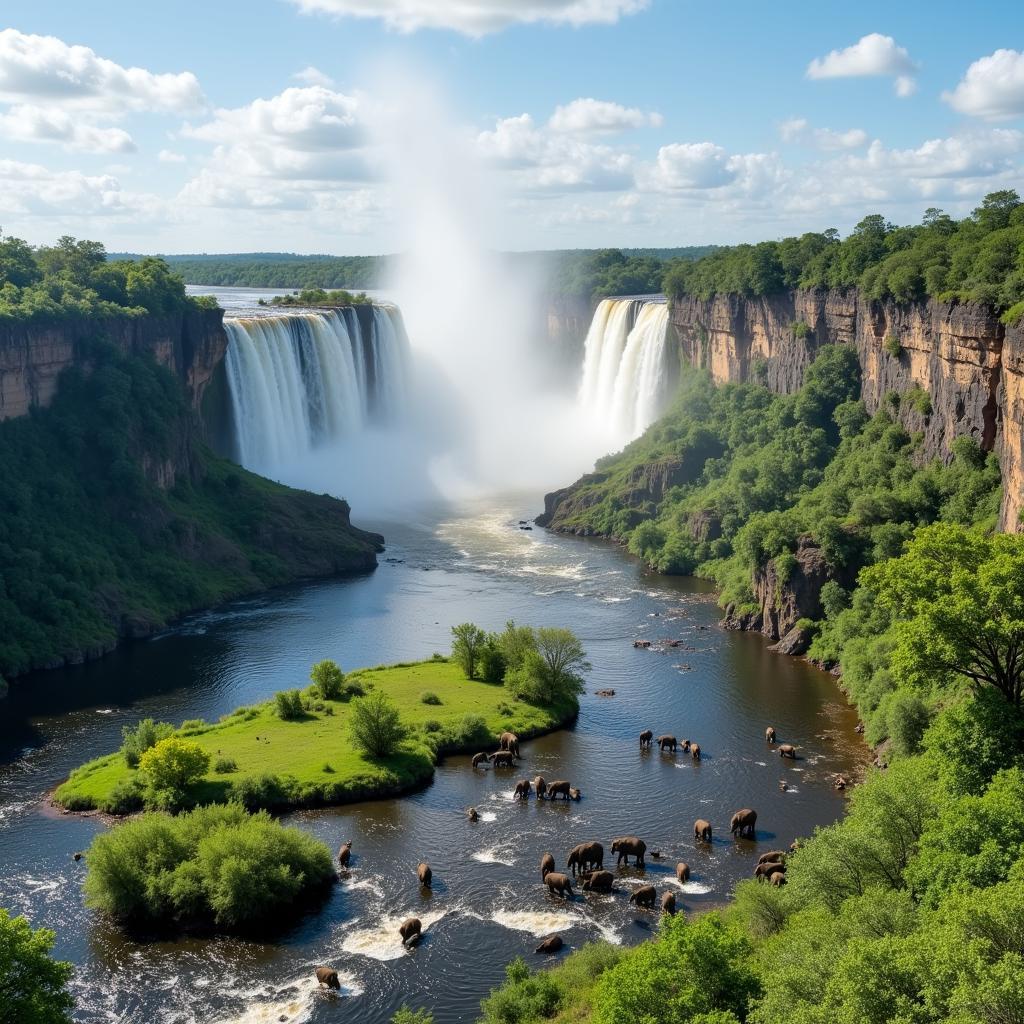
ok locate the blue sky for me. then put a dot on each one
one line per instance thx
(680, 123)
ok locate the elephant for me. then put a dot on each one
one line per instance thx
(683, 871)
(686, 746)
(646, 738)
(424, 874)
(345, 853)
(644, 896)
(575, 794)
(473, 814)
(522, 791)
(503, 759)
(599, 881)
(547, 865)
(629, 846)
(777, 878)
(667, 741)
(327, 976)
(668, 903)
(695, 751)
(702, 830)
(558, 883)
(743, 822)
(558, 788)
(552, 944)
(787, 750)
(509, 741)
(411, 930)
(481, 758)
(540, 786)
(769, 734)
(768, 868)
(584, 856)
(779, 855)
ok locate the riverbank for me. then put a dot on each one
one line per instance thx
(268, 761)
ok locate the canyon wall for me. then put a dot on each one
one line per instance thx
(970, 365)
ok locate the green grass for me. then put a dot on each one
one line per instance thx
(299, 751)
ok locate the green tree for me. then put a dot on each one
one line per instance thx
(466, 647)
(173, 765)
(328, 679)
(137, 739)
(376, 726)
(407, 1015)
(33, 986)
(562, 664)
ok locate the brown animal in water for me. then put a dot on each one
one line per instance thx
(472, 814)
(686, 746)
(787, 750)
(540, 786)
(743, 822)
(683, 871)
(327, 976)
(547, 865)
(599, 881)
(552, 944)
(668, 903)
(779, 855)
(411, 930)
(424, 874)
(560, 787)
(769, 734)
(509, 741)
(840, 782)
(503, 759)
(667, 741)
(574, 793)
(783, 785)
(702, 830)
(558, 883)
(77, 856)
(345, 853)
(522, 790)
(644, 896)
(644, 644)
(629, 846)
(769, 867)
(584, 857)
(646, 738)
(777, 878)
(695, 751)
(479, 759)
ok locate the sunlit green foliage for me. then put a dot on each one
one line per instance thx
(320, 297)
(33, 986)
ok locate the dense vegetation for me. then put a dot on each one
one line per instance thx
(594, 274)
(346, 736)
(33, 986)
(319, 297)
(978, 258)
(75, 279)
(92, 549)
(214, 866)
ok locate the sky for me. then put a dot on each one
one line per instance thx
(275, 125)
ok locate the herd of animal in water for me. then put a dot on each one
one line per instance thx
(587, 859)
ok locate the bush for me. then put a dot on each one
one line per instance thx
(376, 726)
(407, 1015)
(432, 725)
(328, 679)
(225, 765)
(213, 866)
(136, 741)
(170, 768)
(429, 697)
(192, 725)
(470, 730)
(125, 798)
(467, 646)
(892, 345)
(492, 661)
(33, 986)
(288, 705)
(801, 330)
(263, 791)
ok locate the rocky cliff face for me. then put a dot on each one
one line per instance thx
(968, 363)
(32, 356)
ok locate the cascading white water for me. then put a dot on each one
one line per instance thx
(625, 366)
(297, 380)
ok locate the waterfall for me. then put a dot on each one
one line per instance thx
(298, 380)
(626, 366)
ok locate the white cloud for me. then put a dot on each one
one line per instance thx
(992, 88)
(874, 55)
(27, 123)
(31, 190)
(692, 165)
(313, 76)
(798, 130)
(600, 117)
(476, 17)
(168, 156)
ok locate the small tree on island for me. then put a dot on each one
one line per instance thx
(328, 679)
(376, 726)
(170, 768)
(33, 986)
(468, 646)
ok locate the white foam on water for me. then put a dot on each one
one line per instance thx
(695, 888)
(791, 789)
(382, 941)
(763, 764)
(492, 855)
(536, 922)
(796, 769)
(294, 1002)
(104, 711)
(363, 884)
(488, 816)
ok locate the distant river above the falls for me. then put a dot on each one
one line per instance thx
(442, 566)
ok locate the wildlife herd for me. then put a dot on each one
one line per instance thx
(585, 861)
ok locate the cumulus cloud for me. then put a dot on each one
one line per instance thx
(692, 165)
(992, 88)
(168, 156)
(874, 55)
(313, 76)
(599, 117)
(798, 130)
(27, 123)
(28, 189)
(476, 17)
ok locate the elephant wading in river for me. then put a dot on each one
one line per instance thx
(599, 881)
(345, 853)
(479, 759)
(683, 871)
(668, 903)
(768, 868)
(702, 830)
(644, 896)
(779, 855)
(547, 865)
(787, 750)
(540, 786)
(743, 822)
(522, 791)
(424, 874)
(584, 857)
(769, 734)
(552, 944)
(558, 883)
(667, 743)
(695, 751)
(503, 759)
(646, 738)
(629, 846)
(509, 741)
(560, 787)
(411, 930)
(328, 976)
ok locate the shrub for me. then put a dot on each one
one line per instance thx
(801, 330)
(125, 798)
(492, 661)
(432, 725)
(471, 729)
(328, 679)
(170, 768)
(466, 647)
(376, 726)
(429, 697)
(215, 865)
(288, 705)
(407, 1015)
(136, 741)
(192, 725)
(328, 768)
(892, 345)
(33, 986)
(918, 399)
(225, 765)
(264, 790)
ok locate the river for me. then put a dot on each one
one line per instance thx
(443, 567)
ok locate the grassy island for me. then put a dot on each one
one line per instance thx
(261, 759)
